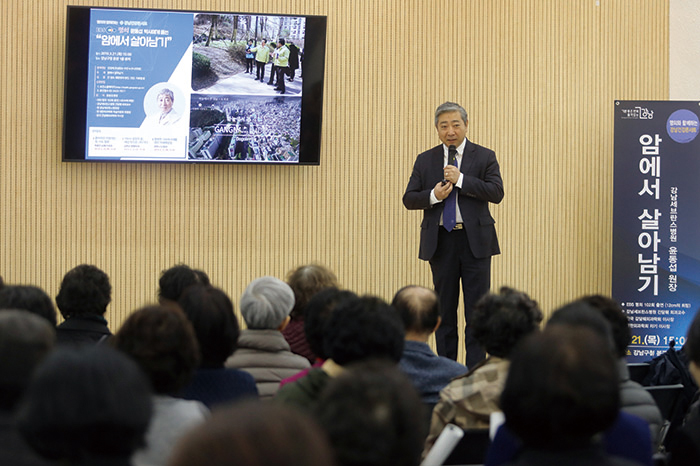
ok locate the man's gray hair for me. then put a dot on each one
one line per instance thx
(450, 107)
(266, 302)
(168, 92)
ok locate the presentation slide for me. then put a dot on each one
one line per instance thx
(186, 86)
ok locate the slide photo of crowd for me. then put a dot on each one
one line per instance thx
(244, 128)
(248, 54)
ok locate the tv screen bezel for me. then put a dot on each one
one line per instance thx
(76, 88)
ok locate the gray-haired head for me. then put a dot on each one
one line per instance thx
(266, 303)
(450, 107)
(168, 92)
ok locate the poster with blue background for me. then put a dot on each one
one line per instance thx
(656, 220)
(131, 51)
(134, 55)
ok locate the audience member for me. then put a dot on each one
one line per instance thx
(629, 436)
(2, 283)
(29, 298)
(25, 340)
(162, 341)
(369, 414)
(562, 389)
(305, 282)
(500, 321)
(318, 310)
(633, 397)
(419, 309)
(175, 280)
(685, 450)
(255, 434)
(262, 350)
(86, 406)
(82, 299)
(211, 313)
(358, 329)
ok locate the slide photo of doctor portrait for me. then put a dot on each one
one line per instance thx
(164, 105)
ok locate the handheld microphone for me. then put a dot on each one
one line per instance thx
(451, 156)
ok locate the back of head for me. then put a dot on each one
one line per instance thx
(175, 280)
(266, 303)
(211, 313)
(580, 314)
(619, 323)
(369, 413)
(25, 340)
(501, 320)
(305, 282)
(364, 328)
(162, 341)
(85, 290)
(318, 311)
(29, 298)
(87, 402)
(418, 307)
(254, 434)
(562, 388)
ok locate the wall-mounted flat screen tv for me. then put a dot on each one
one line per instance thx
(193, 86)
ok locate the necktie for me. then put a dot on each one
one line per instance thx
(449, 214)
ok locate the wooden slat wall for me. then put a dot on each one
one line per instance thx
(537, 77)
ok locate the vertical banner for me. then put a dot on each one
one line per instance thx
(656, 221)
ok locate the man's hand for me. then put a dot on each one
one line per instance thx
(442, 191)
(451, 173)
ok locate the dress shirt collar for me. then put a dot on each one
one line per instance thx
(460, 150)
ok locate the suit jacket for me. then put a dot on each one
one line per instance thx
(481, 184)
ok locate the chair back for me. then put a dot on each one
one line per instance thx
(638, 371)
(669, 400)
(666, 397)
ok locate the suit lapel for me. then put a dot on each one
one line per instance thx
(467, 157)
(437, 162)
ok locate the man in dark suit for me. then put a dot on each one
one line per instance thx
(458, 236)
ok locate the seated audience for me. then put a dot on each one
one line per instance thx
(25, 340)
(86, 406)
(162, 342)
(255, 434)
(175, 280)
(211, 313)
(82, 299)
(562, 390)
(29, 298)
(419, 309)
(629, 436)
(262, 350)
(358, 329)
(500, 321)
(633, 397)
(369, 415)
(316, 314)
(685, 450)
(305, 282)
